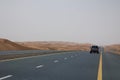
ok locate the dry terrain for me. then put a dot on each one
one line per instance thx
(58, 46)
(9, 45)
(115, 48)
(6, 44)
(55, 45)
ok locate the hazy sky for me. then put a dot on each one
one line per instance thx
(83, 21)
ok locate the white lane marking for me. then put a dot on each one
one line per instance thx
(33, 56)
(71, 56)
(76, 55)
(55, 61)
(65, 58)
(5, 77)
(40, 66)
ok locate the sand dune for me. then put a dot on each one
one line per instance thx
(6, 44)
(115, 48)
(9, 45)
(55, 45)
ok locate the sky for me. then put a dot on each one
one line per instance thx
(82, 21)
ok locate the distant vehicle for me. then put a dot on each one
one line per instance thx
(94, 49)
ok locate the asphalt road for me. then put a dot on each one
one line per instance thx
(111, 66)
(66, 66)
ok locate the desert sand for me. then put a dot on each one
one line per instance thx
(115, 48)
(6, 44)
(56, 45)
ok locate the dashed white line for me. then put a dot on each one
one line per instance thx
(40, 66)
(5, 77)
(71, 56)
(55, 61)
(65, 58)
(76, 55)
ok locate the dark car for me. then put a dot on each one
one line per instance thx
(94, 49)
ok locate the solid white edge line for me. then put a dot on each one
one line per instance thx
(5, 77)
(32, 56)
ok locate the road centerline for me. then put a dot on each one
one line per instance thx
(99, 76)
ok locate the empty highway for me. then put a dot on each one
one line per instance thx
(77, 65)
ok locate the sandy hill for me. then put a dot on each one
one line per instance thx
(9, 45)
(6, 44)
(55, 45)
(113, 48)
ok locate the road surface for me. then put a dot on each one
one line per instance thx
(111, 66)
(76, 65)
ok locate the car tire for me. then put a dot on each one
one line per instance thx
(90, 52)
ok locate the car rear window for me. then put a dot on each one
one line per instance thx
(94, 46)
